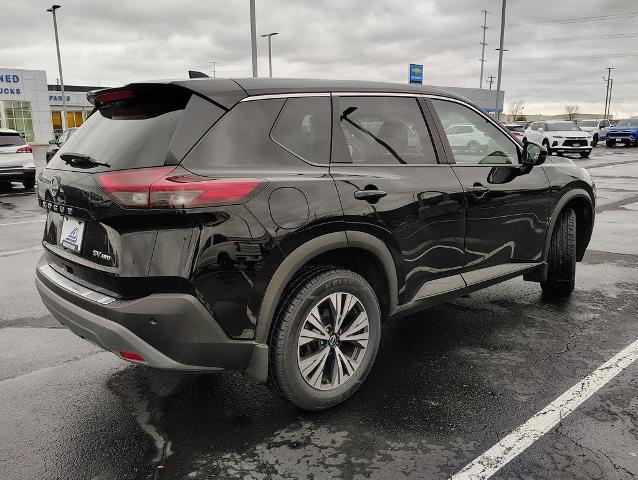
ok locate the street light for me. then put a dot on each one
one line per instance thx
(269, 35)
(57, 46)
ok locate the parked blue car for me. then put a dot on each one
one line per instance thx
(624, 133)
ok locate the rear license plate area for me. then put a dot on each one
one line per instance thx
(72, 234)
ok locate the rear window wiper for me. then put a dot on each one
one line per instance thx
(79, 159)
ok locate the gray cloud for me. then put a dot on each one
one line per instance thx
(551, 62)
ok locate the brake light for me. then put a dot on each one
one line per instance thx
(131, 356)
(25, 149)
(109, 97)
(158, 188)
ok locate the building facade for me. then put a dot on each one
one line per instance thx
(31, 106)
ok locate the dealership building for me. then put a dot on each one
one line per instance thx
(33, 107)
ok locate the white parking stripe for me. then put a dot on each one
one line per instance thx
(509, 447)
(20, 223)
(23, 250)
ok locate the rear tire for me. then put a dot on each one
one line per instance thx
(28, 184)
(473, 147)
(304, 331)
(561, 274)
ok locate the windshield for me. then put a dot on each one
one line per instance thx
(515, 128)
(562, 127)
(630, 122)
(588, 123)
(10, 139)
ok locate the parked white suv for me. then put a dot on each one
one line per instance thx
(560, 136)
(596, 127)
(16, 160)
(468, 138)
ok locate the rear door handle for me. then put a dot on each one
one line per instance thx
(477, 189)
(369, 194)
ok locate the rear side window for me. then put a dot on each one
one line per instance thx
(303, 128)
(10, 140)
(132, 134)
(385, 130)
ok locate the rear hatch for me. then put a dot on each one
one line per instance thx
(14, 152)
(101, 227)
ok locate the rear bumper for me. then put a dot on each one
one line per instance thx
(17, 174)
(169, 331)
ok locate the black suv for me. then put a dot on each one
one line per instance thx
(271, 226)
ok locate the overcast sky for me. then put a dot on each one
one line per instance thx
(558, 48)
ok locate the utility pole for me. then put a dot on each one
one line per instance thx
(57, 46)
(607, 94)
(490, 81)
(269, 36)
(214, 69)
(482, 59)
(253, 37)
(499, 107)
(611, 87)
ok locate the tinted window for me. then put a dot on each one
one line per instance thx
(385, 130)
(241, 139)
(515, 128)
(485, 144)
(535, 126)
(128, 134)
(10, 139)
(303, 127)
(562, 127)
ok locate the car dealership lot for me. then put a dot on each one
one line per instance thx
(447, 385)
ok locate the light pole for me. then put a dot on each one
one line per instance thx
(482, 59)
(253, 37)
(500, 62)
(607, 95)
(57, 46)
(270, 35)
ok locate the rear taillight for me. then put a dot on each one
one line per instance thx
(135, 357)
(164, 188)
(110, 97)
(25, 149)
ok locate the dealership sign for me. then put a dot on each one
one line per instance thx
(416, 73)
(11, 79)
(58, 98)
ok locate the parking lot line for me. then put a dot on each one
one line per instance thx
(22, 250)
(20, 223)
(525, 435)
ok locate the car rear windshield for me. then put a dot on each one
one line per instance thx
(562, 127)
(10, 139)
(132, 134)
(515, 128)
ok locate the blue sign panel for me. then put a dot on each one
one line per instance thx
(416, 73)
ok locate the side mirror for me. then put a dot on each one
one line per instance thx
(53, 142)
(533, 154)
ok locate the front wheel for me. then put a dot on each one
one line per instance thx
(546, 145)
(595, 140)
(585, 154)
(325, 339)
(28, 184)
(609, 143)
(561, 274)
(473, 147)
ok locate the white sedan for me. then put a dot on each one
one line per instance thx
(560, 136)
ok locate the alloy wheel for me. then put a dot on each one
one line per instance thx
(333, 341)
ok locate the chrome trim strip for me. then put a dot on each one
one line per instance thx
(75, 288)
(377, 94)
(490, 273)
(284, 95)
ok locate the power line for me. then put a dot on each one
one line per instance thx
(597, 18)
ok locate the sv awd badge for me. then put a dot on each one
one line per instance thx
(101, 256)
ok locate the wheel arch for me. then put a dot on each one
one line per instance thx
(580, 201)
(335, 248)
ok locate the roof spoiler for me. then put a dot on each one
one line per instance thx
(196, 74)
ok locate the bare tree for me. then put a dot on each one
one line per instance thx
(517, 109)
(571, 111)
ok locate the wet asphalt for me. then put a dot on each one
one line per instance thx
(448, 382)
